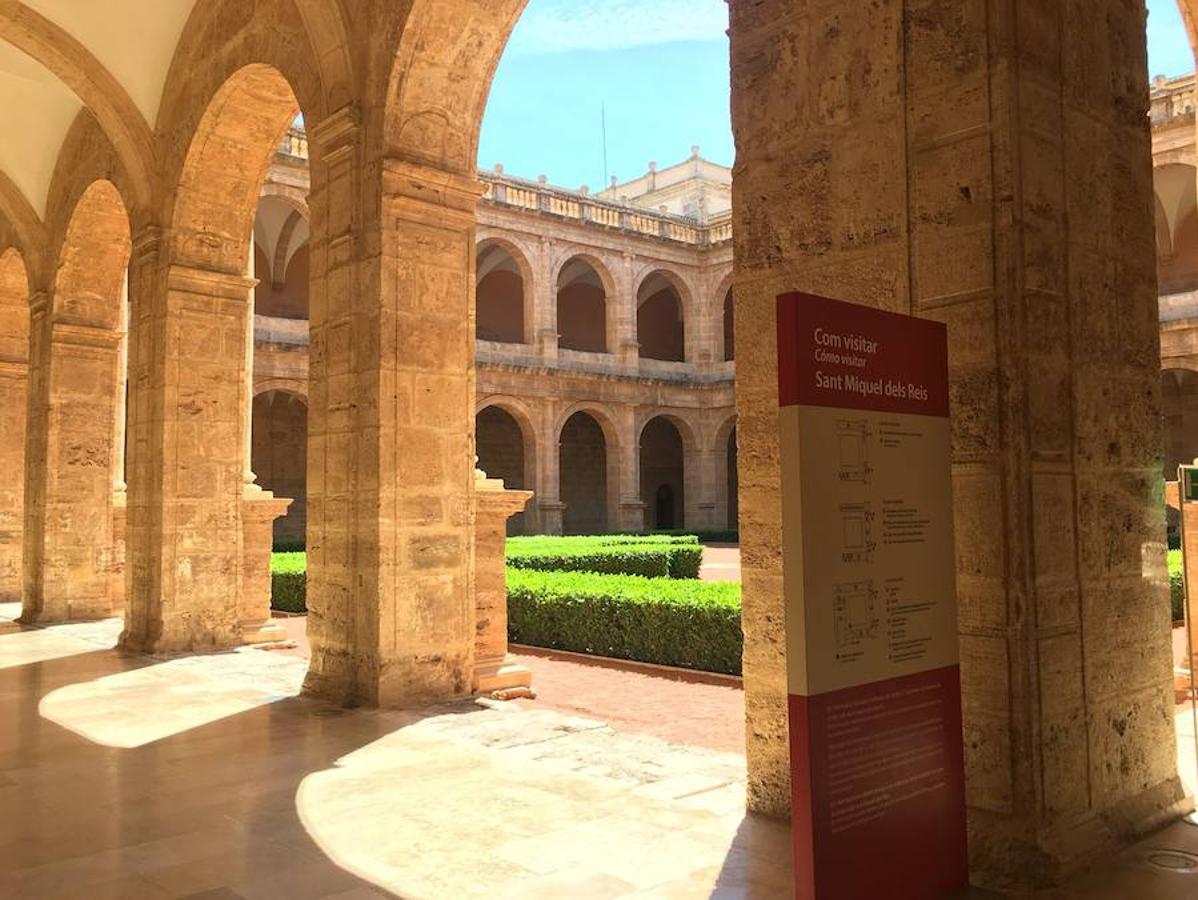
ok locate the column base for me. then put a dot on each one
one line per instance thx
(269, 632)
(503, 677)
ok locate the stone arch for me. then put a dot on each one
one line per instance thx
(504, 298)
(74, 64)
(727, 482)
(282, 385)
(93, 259)
(283, 254)
(584, 290)
(506, 447)
(24, 228)
(614, 447)
(724, 320)
(664, 460)
(225, 166)
(14, 378)
(77, 416)
(281, 260)
(294, 197)
(1179, 412)
(278, 456)
(440, 79)
(584, 466)
(663, 306)
(1164, 236)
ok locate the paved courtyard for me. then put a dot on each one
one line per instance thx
(145, 777)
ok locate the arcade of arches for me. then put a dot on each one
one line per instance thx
(990, 168)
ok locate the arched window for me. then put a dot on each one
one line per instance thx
(581, 308)
(659, 320)
(501, 296)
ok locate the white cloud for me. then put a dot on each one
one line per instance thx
(559, 26)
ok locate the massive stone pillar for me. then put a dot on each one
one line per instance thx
(70, 555)
(14, 379)
(547, 484)
(391, 461)
(187, 365)
(987, 165)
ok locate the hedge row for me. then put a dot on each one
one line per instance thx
(650, 558)
(1177, 590)
(289, 582)
(691, 624)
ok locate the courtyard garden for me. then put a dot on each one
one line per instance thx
(634, 597)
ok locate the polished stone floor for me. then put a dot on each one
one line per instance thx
(206, 776)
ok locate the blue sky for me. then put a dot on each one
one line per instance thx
(660, 69)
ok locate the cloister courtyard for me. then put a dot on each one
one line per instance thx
(256, 295)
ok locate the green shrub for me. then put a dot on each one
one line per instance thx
(680, 557)
(692, 624)
(289, 582)
(1177, 590)
(289, 547)
(289, 592)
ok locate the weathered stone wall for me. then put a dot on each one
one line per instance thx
(14, 378)
(989, 167)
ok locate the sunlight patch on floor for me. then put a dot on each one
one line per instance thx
(134, 708)
(505, 802)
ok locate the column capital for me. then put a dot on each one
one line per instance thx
(447, 191)
(194, 280)
(336, 134)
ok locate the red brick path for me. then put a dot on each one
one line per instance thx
(685, 708)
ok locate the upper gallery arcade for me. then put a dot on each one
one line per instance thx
(987, 165)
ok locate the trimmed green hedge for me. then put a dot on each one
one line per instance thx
(289, 582)
(691, 624)
(1177, 590)
(676, 560)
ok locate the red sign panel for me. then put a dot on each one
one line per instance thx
(877, 766)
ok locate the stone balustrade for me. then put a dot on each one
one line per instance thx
(539, 196)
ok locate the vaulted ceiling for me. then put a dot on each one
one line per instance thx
(58, 55)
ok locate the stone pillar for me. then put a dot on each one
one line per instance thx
(965, 175)
(14, 381)
(391, 475)
(626, 343)
(629, 512)
(70, 558)
(120, 488)
(494, 670)
(259, 509)
(547, 487)
(186, 447)
(699, 492)
(546, 304)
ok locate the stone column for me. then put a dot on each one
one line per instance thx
(258, 513)
(629, 511)
(120, 488)
(70, 558)
(186, 450)
(699, 493)
(391, 474)
(14, 381)
(626, 344)
(494, 671)
(546, 304)
(547, 487)
(966, 175)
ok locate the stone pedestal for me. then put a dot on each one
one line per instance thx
(494, 672)
(258, 513)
